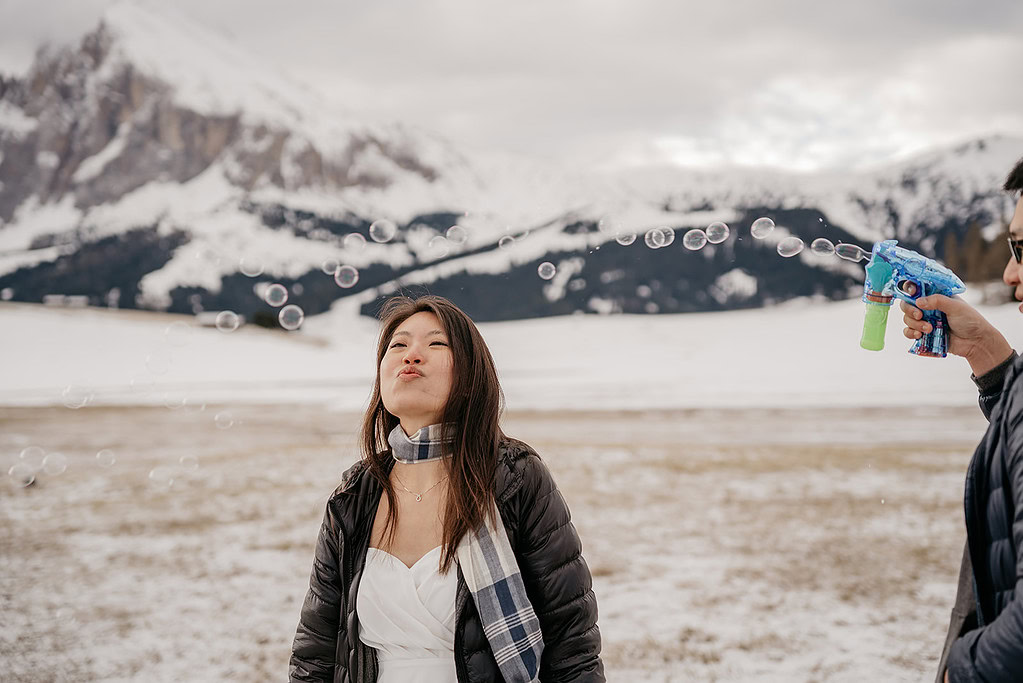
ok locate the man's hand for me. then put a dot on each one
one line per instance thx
(946, 675)
(970, 335)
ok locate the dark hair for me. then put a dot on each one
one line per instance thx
(1014, 181)
(473, 408)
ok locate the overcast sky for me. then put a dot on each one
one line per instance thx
(798, 84)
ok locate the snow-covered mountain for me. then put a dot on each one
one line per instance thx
(157, 165)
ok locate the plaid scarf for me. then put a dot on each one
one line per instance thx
(490, 571)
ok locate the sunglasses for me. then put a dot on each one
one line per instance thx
(1016, 247)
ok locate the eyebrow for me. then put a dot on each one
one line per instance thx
(409, 334)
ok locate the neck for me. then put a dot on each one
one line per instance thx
(411, 425)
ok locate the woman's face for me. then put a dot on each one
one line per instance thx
(416, 371)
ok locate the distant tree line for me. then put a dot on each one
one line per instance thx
(974, 258)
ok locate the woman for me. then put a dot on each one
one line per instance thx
(447, 553)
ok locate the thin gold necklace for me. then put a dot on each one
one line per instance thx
(419, 496)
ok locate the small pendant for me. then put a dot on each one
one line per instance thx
(419, 497)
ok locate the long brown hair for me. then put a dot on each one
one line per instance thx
(473, 409)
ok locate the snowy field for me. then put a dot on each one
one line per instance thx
(759, 500)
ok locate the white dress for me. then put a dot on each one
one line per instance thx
(408, 616)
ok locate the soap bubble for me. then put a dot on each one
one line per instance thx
(505, 242)
(32, 457)
(822, 246)
(75, 397)
(22, 474)
(383, 230)
(669, 235)
(228, 321)
(55, 463)
(439, 246)
(346, 276)
(354, 242)
(851, 252)
(790, 246)
(457, 234)
(655, 238)
(159, 362)
(717, 232)
(189, 463)
(250, 266)
(291, 317)
(142, 385)
(224, 420)
(330, 266)
(106, 458)
(276, 295)
(761, 228)
(174, 400)
(178, 333)
(547, 270)
(161, 477)
(625, 238)
(694, 240)
(609, 226)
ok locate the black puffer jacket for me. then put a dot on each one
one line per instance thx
(993, 652)
(548, 551)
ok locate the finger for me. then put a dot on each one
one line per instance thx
(916, 324)
(912, 334)
(938, 302)
(909, 288)
(910, 310)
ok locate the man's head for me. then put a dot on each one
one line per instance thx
(1013, 275)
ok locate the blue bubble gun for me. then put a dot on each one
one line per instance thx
(891, 271)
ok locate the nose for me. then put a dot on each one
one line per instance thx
(412, 356)
(1012, 275)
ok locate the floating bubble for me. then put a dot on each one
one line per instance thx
(505, 242)
(75, 397)
(822, 247)
(625, 238)
(457, 234)
(346, 276)
(655, 238)
(717, 232)
(383, 230)
(669, 236)
(291, 317)
(790, 246)
(143, 384)
(609, 226)
(761, 228)
(330, 266)
(22, 474)
(354, 242)
(276, 295)
(55, 463)
(6, 294)
(178, 333)
(32, 456)
(439, 246)
(224, 420)
(106, 458)
(161, 477)
(228, 321)
(546, 270)
(251, 267)
(189, 463)
(65, 615)
(694, 239)
(851, 252)
(175, 400)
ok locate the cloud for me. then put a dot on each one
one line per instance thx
(792, 82)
